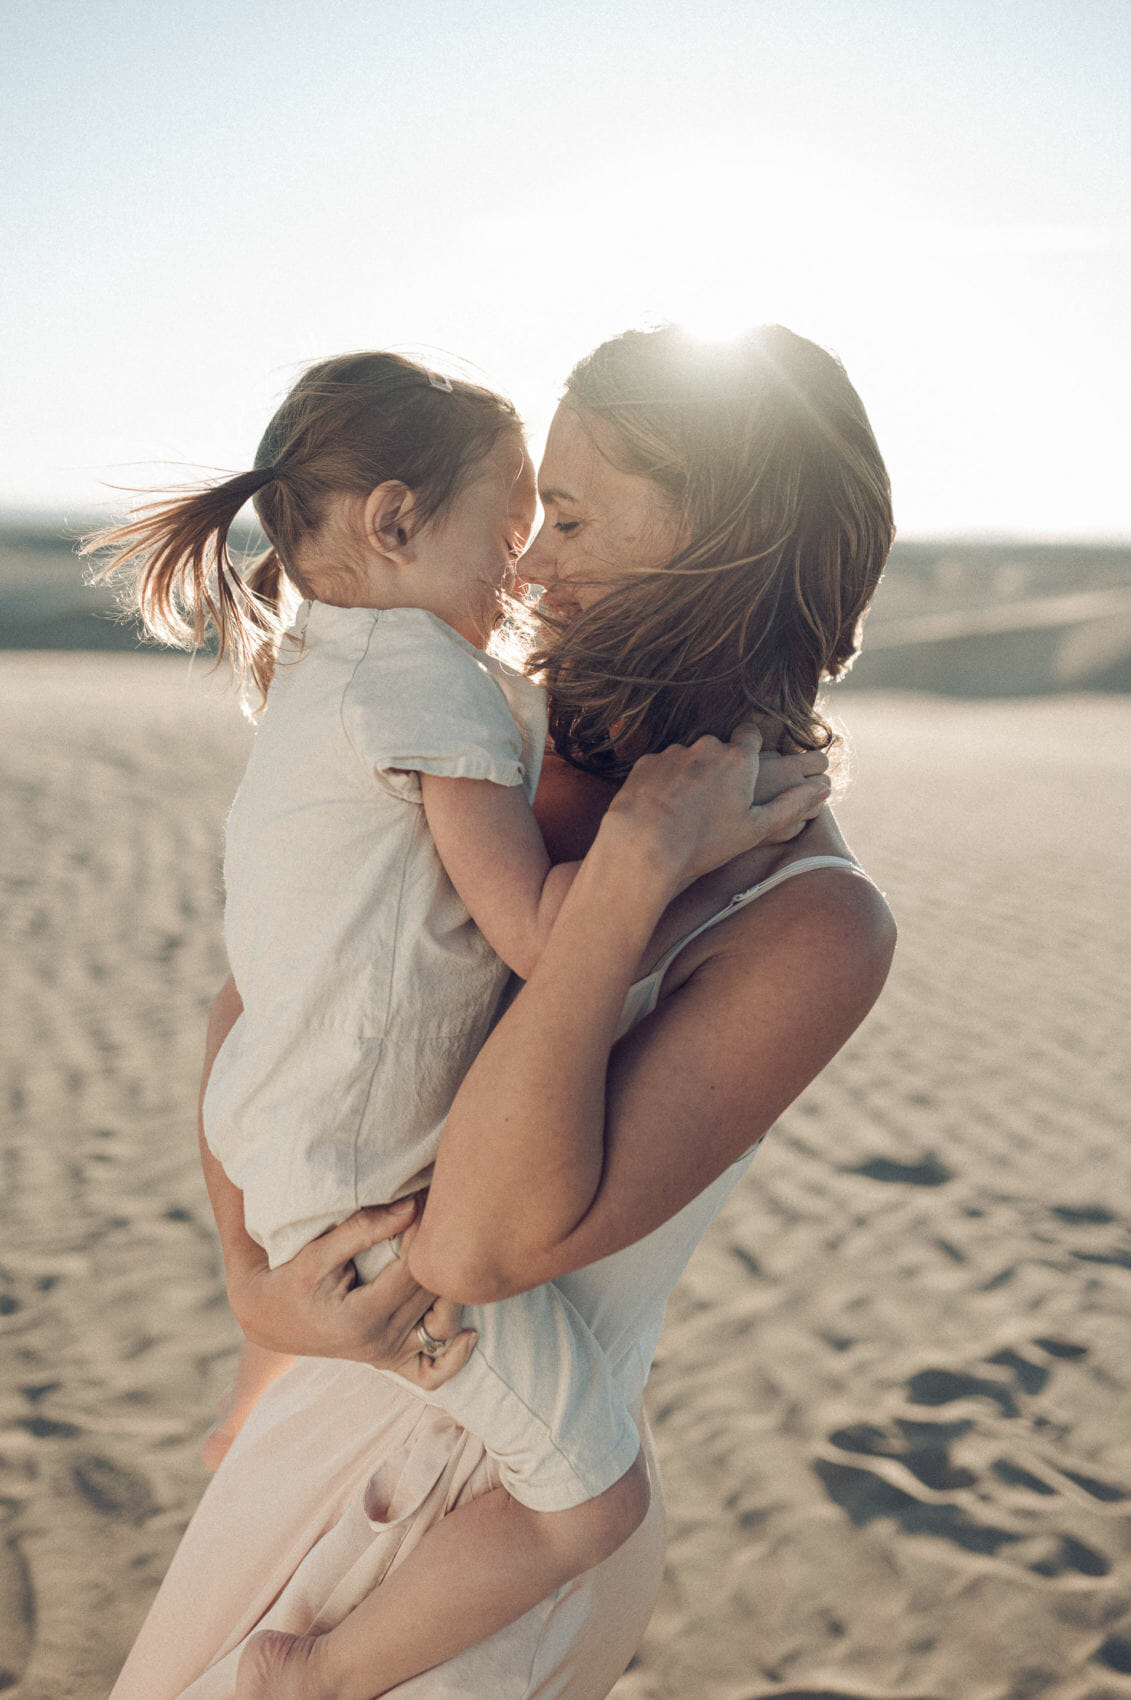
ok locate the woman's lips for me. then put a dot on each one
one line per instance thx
(558, 601)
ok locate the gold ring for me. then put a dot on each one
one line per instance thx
(429, 1345)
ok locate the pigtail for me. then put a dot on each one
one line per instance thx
(186, 586)
(348, 424)
(277, 597)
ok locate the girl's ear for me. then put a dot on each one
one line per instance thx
(388, 520)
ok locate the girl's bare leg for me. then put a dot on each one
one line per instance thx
(257, 1369)
(477, 1570)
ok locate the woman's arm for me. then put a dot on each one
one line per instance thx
(313, 1305)
(552, 1157)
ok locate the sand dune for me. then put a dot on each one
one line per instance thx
(1031, 647)
(892, 1396)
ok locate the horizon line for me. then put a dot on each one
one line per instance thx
(49, 519)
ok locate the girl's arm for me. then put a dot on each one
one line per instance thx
(313, 1304)
(496, 857)
(494, 854)
(554, 1155)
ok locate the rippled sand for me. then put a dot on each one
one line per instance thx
(892, 1398)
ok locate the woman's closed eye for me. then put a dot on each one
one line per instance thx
(565, 526)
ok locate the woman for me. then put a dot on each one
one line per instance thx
(716, 522)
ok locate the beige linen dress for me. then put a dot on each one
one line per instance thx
(338, 1475)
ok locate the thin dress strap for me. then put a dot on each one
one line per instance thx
(644, 995)
(742, 898)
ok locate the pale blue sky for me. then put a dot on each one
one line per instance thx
(199, 198)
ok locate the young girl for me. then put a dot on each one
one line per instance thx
(383, 872)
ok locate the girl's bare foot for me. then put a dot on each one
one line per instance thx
(218, 1439)
(230, 1418)
(256, 1371)
(277, 1666)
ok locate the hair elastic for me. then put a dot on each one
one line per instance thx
(439, 382)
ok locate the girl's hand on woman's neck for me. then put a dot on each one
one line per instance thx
(571, 804)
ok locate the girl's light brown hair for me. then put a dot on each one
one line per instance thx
(764, 452)
(349, 424)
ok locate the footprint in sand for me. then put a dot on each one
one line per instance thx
(928, 1171)
(1094, 1216)
(866, 1495)
(1115, 1653)
(114, 1490)
(922, 1449)
(1031, 1377)
(1057, 1348)
(827, 1694)
(17, 1613)
(1063, 1555)
(1014, 1476)
(944, 1386)
(1106, 1492)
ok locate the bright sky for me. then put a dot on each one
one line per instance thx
(198, 198)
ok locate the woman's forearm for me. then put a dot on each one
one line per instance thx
(529, 1180)
(523, 1148)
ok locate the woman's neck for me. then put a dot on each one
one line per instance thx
(570, 806)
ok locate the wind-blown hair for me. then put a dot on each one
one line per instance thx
(349, 424)
(765, 454)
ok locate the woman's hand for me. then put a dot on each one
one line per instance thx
(692, 808)
(314, 1305)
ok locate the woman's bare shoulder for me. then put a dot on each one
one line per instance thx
(763, 1001)
(829, 927)
(777, 989)
(825, 922)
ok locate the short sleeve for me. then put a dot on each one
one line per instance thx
(421, 700)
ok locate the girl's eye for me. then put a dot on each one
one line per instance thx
(565, 526)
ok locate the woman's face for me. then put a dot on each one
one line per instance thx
(599, 522)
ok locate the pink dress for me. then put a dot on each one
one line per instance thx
(338, 1474)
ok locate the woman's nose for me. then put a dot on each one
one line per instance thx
(538, 558)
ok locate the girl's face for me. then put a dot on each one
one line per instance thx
(467, 554)
(599, 522)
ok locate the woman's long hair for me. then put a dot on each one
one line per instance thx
(766, 457)
(348, 424)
